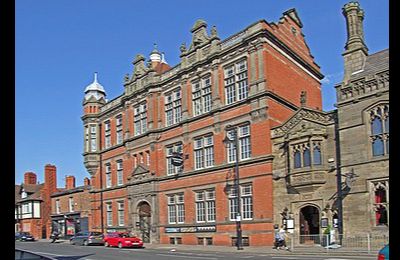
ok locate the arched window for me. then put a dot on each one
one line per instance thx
(377, 126)
(297, 159)
(379, 118)
(317, 155)
(307, 156)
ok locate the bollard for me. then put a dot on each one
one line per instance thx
(369, 243)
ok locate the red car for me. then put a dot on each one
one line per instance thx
(122, 239)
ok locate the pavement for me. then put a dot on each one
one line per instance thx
(267, 250)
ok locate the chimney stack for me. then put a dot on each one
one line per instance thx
(30, 178)
(86, 181)
(69, 182)
(50, 178)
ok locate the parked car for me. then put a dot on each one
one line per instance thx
(24, 236)
(122, 239)
(384, 253)
(86, 238)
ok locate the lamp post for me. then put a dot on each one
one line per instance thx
(233, 139)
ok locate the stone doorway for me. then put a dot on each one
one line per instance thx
(144, 211)
(309, 225)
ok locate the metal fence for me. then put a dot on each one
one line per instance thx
(323, 242)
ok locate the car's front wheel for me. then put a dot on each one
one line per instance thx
(119, 245)
(85, 243)
(106, 244)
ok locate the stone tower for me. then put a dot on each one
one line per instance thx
(355, 50)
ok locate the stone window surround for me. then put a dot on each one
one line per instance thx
(200, 78)
(310, 141)
(372, 185)
(234, 62)
(366, 116)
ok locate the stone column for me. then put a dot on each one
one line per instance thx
(184, 100)
(216, 99)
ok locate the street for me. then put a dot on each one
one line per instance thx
(64, 251)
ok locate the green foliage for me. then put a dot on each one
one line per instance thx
(327, 230)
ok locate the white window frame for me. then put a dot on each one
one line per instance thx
(173, 107)
(203, 152)
(176, 208)
(109, 220)
(121, 213)
(93, 138)
(205, 206)
(246, 202)
(107, 134)
(108, 175)
(58, 206)
(236, 82)
(201, 96)
(120, 173)
(120, 135)
(244, 142)
(140, 118)
(71, 204)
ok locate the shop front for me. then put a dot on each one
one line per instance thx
(68, 225)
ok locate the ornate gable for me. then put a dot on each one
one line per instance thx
(141, 172)
(303, 119)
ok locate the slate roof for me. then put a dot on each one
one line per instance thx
(70, 191)
(374, 63)
(32, 190)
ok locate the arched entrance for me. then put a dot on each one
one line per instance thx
(309, 225)
(144, 212)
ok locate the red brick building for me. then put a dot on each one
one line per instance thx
(33, 204)
(245, 84)
(70, 208)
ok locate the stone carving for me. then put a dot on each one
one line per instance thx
(183, 48)
(317, 116)
(140, 67)
(214, 31)
(200, 35)
(363, 86)
(303, 98)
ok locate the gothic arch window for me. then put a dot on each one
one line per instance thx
(297, 159)
(380, 190)
(317, 153)
(306, 155)
(379, 120)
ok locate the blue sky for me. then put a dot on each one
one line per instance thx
(60, 44)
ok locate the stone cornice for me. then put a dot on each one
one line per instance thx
(362, 87)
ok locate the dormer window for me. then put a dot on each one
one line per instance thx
(24, 194)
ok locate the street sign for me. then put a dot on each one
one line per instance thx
(177, 159)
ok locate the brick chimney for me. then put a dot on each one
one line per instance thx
(30, 178)
(86, 181)
(50, 178)
(69, 182)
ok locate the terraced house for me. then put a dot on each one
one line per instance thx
(237, 89)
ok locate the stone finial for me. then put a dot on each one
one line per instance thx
(214, 31)
(126, 77)
(355, 34)
(140, 67)
(183, 48)
(303, 98)
(356, 51)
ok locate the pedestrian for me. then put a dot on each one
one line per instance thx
(281, 238)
